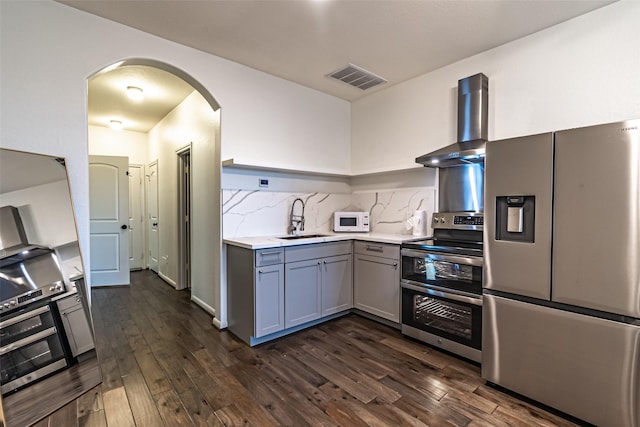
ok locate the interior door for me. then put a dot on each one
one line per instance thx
(136, 218)
(184, 219)
(109, 212)
(152, 206)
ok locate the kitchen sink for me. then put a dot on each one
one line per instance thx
(302, 236)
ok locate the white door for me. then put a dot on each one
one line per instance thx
(109, 211)
(152, 206)
(136, 218)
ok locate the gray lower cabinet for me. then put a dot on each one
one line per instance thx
(376, 285)
(337, 284)
(272, 290)
(255, 292)
(316, 288)
(76, 325)
(318, 281)
(302, 292)
(269, 300)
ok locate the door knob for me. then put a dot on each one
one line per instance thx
(124, 226)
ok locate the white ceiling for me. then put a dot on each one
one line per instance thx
(19, 170)
(108, 99)
(304, 40)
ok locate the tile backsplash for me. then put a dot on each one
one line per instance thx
(263, 213)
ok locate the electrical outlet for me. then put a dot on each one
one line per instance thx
(263, 182)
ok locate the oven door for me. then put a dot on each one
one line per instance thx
(30, 348)
(460, 272)
(446, 319)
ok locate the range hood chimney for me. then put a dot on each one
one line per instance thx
(473, 108)
(14, 246)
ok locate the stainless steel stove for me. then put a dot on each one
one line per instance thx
(442, 284)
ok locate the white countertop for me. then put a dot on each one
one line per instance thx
(263, 242)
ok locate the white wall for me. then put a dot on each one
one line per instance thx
(49, 50)
(582, 72)
(193, 123)
(105, 141)
(46, 213)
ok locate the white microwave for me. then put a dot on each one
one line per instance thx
(351, 222)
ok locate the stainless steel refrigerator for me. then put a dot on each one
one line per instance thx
(561, 320)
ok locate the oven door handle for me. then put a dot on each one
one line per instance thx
(440, 292)
(24, 316)
(28, 340)
(458, 259)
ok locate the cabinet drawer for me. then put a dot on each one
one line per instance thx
(377, 249)
(69, 302)
(269, 257)
(317, 250)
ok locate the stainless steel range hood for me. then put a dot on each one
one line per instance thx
(14, 246)
(473, 106)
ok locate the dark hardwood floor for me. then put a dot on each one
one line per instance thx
(164, 364)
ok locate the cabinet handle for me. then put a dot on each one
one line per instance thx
(318, 262)
(324, 262)
(260, 271)
(269, 253)
(374, 248)
(395, 265)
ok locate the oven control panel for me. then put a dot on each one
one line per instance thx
(458, 220)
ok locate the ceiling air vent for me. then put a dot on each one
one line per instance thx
(357, 77)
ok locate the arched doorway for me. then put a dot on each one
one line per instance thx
(192, 125)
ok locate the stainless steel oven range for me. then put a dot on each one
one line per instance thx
(30, 346)
(442, 285)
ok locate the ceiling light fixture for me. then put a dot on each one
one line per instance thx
(135, 93)
(115, 124)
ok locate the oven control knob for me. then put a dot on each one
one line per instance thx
(12, 302)
(6, 305)
(52, 288)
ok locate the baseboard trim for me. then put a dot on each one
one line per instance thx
(203, 305)
(218, 324)
(168, 280)
(212, 311)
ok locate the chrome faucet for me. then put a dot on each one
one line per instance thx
(296, 222)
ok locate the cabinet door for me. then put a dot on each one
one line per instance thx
(269, 299)
(302, 292)
(377, 286)
(337, 284)
(77, 329)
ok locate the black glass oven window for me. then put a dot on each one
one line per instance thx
(453, 275)
(446, 316)
(29, 358)
(32, 325)
(349, 221)
(440, 316)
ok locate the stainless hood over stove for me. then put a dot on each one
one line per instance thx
(14, 245)
(473, 109)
